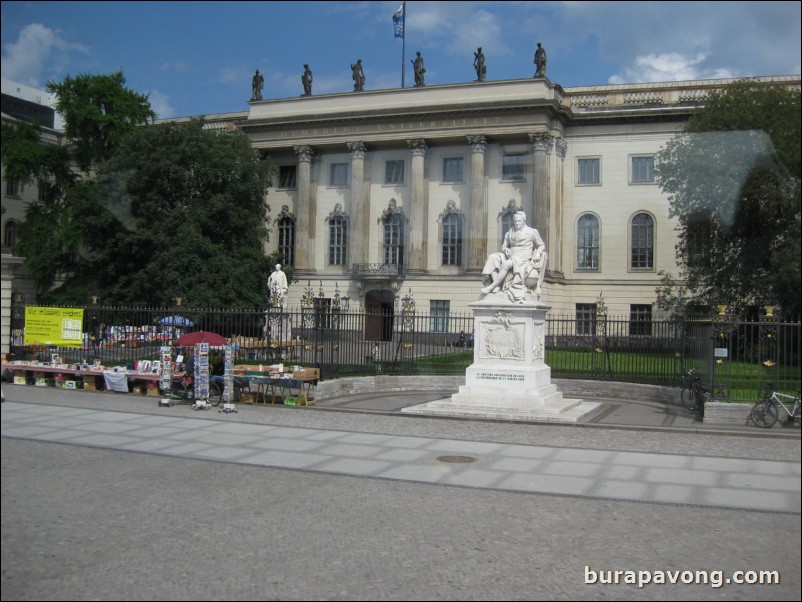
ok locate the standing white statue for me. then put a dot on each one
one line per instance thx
(278, 286)
(519, 267)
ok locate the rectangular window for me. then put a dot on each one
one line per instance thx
(287, 175)
(586, 319)
(438, 315)
(640, 320)
(338, 241)
(453, 169)
(642, 170)
(452, 240)
(339, 174)
(394, 172)
(13, 188)
(513, 168)
(286, 240)
(588, 171)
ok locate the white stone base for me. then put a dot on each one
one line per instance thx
(508, 379)
(566, 411)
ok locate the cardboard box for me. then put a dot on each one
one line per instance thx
(20, 380)
(44, 382)
(71, 384)
(248, 397)
(90, 383)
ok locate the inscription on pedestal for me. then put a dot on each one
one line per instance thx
(499, 377)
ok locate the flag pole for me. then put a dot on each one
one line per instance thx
(403, 43)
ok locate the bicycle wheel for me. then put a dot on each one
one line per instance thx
(764, 414)
(688, 396)
(178, 393)
(215, 394)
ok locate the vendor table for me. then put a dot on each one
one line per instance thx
(287, 383)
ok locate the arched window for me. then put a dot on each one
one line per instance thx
(10, 234)
(587, 242)
(642, 242)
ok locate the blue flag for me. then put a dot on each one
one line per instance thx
(398, 22)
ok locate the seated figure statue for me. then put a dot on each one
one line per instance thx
(519, 267)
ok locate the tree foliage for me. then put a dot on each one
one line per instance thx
(99, 112)
(180, 210)
(152, 211)
(733, 182)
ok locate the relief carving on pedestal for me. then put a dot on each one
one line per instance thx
(503, 339)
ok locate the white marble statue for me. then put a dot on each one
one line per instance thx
(518, 268)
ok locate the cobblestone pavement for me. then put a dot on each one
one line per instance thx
(216, 508)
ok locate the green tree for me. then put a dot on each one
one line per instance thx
(179, 210)
(733, 182)
(99, 112)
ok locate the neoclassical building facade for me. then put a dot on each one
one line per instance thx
(384, 193)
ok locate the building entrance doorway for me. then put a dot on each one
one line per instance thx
(379, 308)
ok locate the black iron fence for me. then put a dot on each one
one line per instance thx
(736, 358)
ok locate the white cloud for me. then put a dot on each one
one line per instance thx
(160, 103)
(38, 53)
(671, 66)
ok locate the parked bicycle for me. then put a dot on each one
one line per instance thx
(184, 392)
(765, 412)
(693, 393)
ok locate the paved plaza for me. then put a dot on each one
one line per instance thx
(110, 496)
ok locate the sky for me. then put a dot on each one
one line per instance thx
(198, 58)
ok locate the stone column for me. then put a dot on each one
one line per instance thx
(303, 223)
(417, 246)
(555, 256)
(360, 210)
(477, 216)
(542, 143)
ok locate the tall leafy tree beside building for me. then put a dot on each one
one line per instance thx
(140, 213)
(99, 111)
(733, 182)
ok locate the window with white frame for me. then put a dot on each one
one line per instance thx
(339, 174)
(587, 243)
(640, 320)
(513, 167)
(287, 176)
(453, 169)
(338, 239)
(438, 315)
(394, 172)
(588, 171)
(642, 242)
(286, 239)
(643, 169)
(452, 239)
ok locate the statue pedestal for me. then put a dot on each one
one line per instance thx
(509, 378)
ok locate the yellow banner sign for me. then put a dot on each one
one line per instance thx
(55, 326)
